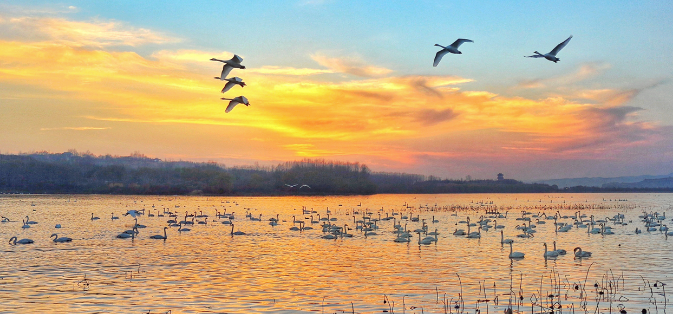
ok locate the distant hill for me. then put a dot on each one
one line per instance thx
(599, 181)
(663, 183)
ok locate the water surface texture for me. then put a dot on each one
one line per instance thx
(273, 269)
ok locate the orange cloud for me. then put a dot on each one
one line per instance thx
(95, 33)
(352, 65)
(389, 121)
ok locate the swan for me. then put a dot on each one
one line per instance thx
(231, 82)
(125, 235)
(94, 218)
(475, 235)
(234, 62)
(237, 232)
(22, 241)
(28, 222)
(453, 48)
(515, 254)
(425, 241)
(551, 56)
(5, 219)
(114, 217)
(559, 251)
(235, 101)
(180, 229)
(549, 253)
(25, 225)
(160, 237)
(579, 253)
(57, 226)
(137, 225)
(61, 239)
(503, 240)
(134, 213)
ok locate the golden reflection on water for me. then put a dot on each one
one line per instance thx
(272, 269)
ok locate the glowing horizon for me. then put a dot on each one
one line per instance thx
(74, 80)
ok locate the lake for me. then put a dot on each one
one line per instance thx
(273, 269)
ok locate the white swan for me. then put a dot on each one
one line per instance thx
(61, 239)
(22, 241)
(579, 253)
(559, 251)
(237, 232)
(551, 56)
(503, 240)
(125, 235)
(453, 48)
(231, 82)
(425, 241)
(549, 253)
(235, 101)
(229, 65)
(160, 237)
(515, 254)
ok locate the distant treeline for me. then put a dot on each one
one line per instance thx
(84, 173)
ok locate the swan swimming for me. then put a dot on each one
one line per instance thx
(515, 254)
(548, 254)
(22, 241)
(61, 239)
(160, 237)
(453, 48)
(231, 82)
(235, 101)
(579, 253)
(234, 62)
(551, 56)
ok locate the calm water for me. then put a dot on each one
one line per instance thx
(272, 269)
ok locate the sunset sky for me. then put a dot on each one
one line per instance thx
(343, 80)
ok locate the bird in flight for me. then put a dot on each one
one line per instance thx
(551, 56)
(231, 82)
(234, 62)
(304, 185)
(452, 49)
(235, 101)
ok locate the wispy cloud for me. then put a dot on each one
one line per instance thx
(80, 128)
(95, 33)
(350, 65)
(275, 70)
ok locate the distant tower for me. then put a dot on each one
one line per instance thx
(501, 177)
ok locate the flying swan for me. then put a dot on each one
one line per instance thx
(551, 56)
(452, 49)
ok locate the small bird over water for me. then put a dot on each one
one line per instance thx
(551, 56)
(452, 49)
(235, 101)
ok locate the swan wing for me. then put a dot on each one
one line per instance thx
(460, 41)
(535, 56)
(225, 71)
(236, 59)
(231, 106)
(228, 86)
(438, 56)
(560, 46)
